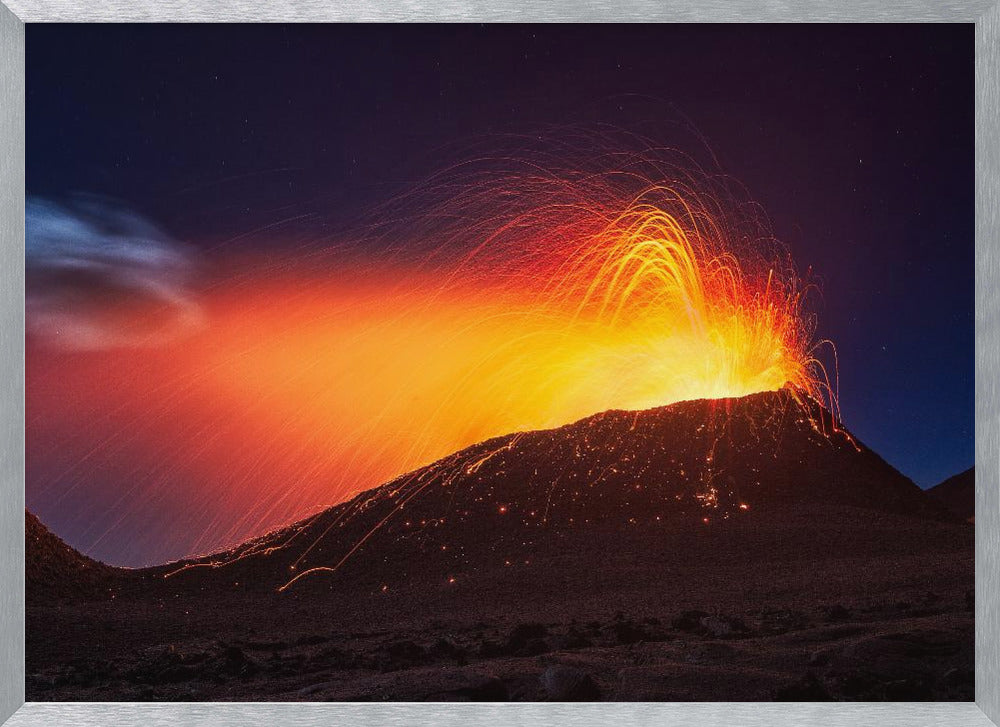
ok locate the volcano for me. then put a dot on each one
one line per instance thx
(746, 548)
(711, 463)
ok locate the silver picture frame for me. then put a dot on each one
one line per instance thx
(985, 14)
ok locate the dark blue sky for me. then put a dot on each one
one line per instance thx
(857, 140)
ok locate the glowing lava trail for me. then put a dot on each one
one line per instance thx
(507, 294)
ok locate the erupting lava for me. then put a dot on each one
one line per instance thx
(518, 296)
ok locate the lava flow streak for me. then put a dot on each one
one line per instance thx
(499, 297)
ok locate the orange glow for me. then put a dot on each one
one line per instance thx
(312, 383)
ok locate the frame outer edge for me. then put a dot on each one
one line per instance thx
(11, 363)
(525, 714)
(12, 186)
(614, 11)
(988, 363)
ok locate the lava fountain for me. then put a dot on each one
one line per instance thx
(505, 294)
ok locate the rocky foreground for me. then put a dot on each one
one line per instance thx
(705, 551)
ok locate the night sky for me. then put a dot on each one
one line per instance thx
(857, 140)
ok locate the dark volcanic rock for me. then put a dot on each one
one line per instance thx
(400, 655)
(910, 666)
(528, 639)
(569, 684)
(233, 662)
(475, 688)
(629, 632)
(808, 689)
(837, 613)
(688, 621)
(572, 639)
(708, 652)
(723, 626)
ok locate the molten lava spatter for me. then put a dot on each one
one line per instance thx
(496, 299)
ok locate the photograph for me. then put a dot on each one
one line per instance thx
(529, 363)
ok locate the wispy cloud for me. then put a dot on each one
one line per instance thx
(100, 275)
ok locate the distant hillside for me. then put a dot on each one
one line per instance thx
(958, 494)
(54, 569)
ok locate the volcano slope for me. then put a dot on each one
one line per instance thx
(738, 549)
